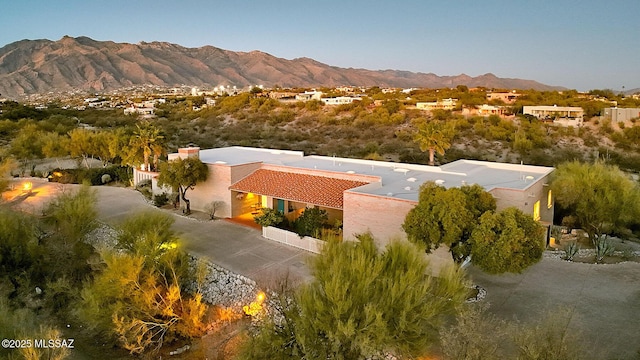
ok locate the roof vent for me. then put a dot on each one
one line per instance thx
(407, 188)
(389, 194)
(220, 162)
(351, 172)
(412, 179)
(439, 182)
(401, 170)
(528, 177)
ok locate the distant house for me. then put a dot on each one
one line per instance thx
(364, 195)
(282, 95)
(505, 97)
(616, 114)
(562, 115)
(487, 110)
(444, 104)
(209, 101)
(339, 100)
(309, 95)
(140, 109)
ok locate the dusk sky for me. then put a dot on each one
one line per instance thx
(576, 44)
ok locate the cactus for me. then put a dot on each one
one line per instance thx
(571, 250)
(603, 248)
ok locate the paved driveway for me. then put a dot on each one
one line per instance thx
(240, 249)
(604, 301)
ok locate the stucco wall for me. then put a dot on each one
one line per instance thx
(216, 188)
(382, 216)
(525, 200)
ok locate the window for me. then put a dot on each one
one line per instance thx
(536, 211)
(549, 200)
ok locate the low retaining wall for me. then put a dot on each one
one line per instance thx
(223, 287)
(292, 239)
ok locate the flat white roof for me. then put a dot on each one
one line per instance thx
(397, 180)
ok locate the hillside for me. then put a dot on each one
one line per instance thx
(40, 66)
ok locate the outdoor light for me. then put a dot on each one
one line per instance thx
(255, 307)
(168, 246)
(27, 186)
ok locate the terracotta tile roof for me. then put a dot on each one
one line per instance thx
(310, 189)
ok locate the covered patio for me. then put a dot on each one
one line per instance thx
(290, 193)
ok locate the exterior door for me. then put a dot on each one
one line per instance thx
(280, 205)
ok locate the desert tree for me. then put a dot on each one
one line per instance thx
(55, 145)
(81, 144)
(183, 175)
(19, 251)
(107, 146)
(506, 241)
(447, 216)
(26, 145)
(137, 296)
(602, 198)
(69, 219)
(7, 164)
(363, 303)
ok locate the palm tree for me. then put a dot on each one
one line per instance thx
(435, 137)
(158, 150)
(148, 139)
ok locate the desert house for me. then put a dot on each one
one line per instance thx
(364, 195)
(561, 115)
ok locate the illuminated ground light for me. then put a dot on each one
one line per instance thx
(27, 186)
(255, 307)
(168, 246)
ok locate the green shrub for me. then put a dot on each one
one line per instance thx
(269, 217)
(310, 222)
(160, 200)
(94, 176)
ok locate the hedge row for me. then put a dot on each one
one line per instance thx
(94, 176)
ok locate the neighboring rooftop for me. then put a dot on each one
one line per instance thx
(398, 180)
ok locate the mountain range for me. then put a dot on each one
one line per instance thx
(41, 66)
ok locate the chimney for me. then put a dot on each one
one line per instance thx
(189, 152)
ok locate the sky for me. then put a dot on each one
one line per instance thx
(580, 45)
